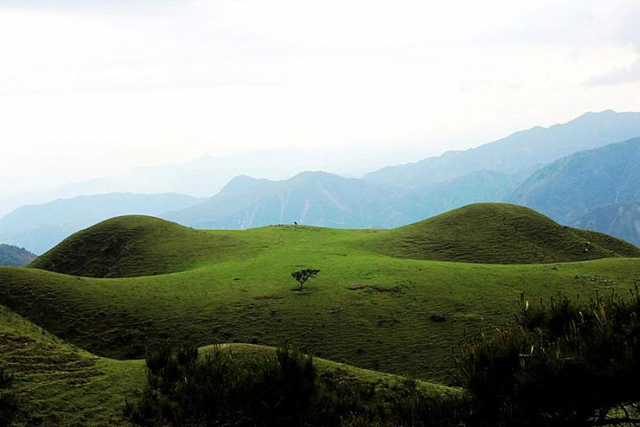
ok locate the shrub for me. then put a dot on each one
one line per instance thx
(284, 390)
(564, 363)
(8, 399)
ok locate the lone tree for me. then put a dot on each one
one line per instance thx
(303, 275)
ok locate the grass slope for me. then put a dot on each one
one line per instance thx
(63, 385)
(497, 233)
(365, 308)
(130, 246)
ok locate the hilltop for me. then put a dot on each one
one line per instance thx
(130, 246)
(40, 227)
(497, 233)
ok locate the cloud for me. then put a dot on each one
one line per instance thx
(618, 75)
(130, 82)
(618, 22)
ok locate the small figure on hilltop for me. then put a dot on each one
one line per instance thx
(303, 275)
(295, 222)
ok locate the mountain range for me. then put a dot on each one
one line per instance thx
(519, 154)
(596, 189)
(577, 173)
(14, 256)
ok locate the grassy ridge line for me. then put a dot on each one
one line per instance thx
(385, 325)
(64, 385)
(483, 233)
(345, 373)
(497, 233)
(138, 245)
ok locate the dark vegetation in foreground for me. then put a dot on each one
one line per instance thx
(8, 399)
(559, 364)
(220, 389)
(562, 363)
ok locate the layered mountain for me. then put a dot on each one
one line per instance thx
(480, 186)
(597, 189)
(519, 154)
(311, 198)
(322, 199)
(40, 227)
(622, 220)
(14, 256)
(388, 198)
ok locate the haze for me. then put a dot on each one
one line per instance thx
(90, 89)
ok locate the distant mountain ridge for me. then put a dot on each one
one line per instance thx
(14, 256)
(519, 154)
(390, 197)
(621, 220)
(319, 198)
(598, 189)
(313, 198)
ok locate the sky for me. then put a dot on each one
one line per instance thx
(93, 88)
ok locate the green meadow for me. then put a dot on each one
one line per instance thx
(371, 306)
(60, 384)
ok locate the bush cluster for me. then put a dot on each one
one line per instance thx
(219, 389)
(562, 363)
(8, 399)
(559, 364)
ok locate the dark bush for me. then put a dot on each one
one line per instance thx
(219, 389)
(561, 364)
(8, 399)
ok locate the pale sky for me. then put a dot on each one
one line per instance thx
(91, 88)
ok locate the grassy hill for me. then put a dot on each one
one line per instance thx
(369, 308)
(60, 384)
(499, 234)
(137, 246)
(40, 227)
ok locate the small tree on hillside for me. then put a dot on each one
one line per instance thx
(303, 275)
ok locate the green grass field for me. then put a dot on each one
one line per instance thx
(369, 307)
(60, 384)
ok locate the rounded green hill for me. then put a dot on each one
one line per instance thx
(135, 245)
(496, 233)
(490, 233)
